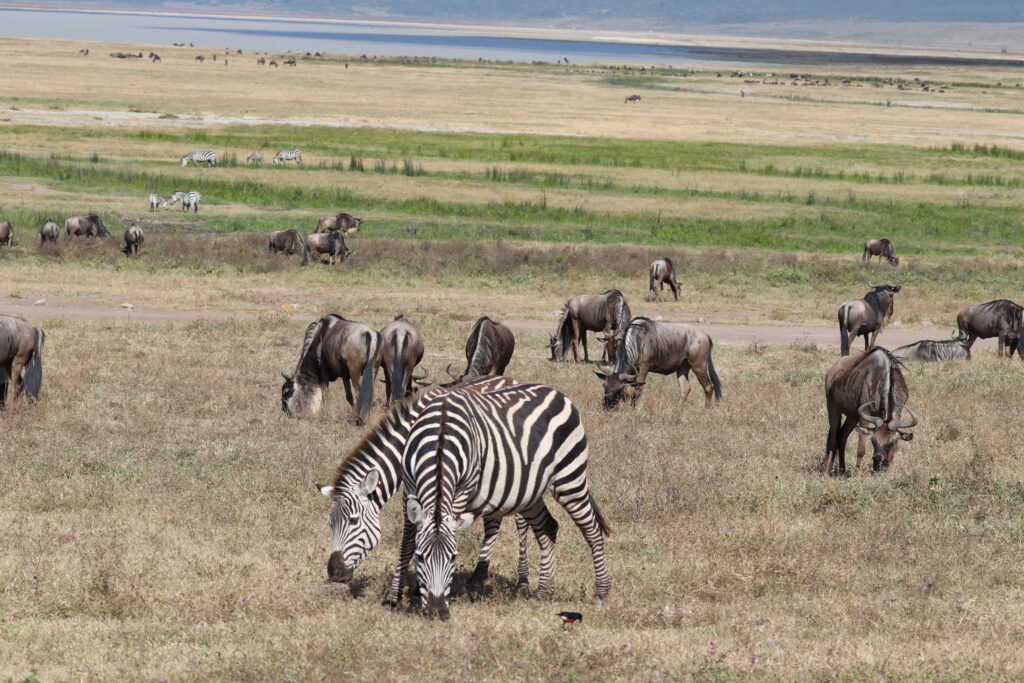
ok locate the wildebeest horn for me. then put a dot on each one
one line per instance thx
(419, 380)
(870, 419)
(606, 368)
(905, 425)
(872, 285)
(451, 374)
(285, 375)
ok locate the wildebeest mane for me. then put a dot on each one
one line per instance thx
(638, 329)
(893, 364)
(309, 356)
(477, 343)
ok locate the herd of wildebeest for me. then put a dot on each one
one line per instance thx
(485, 446)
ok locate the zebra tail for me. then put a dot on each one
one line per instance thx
(366, 386)
(34, 368)
(397, 367)
(715, 382)
(844, 334)
(602, 523)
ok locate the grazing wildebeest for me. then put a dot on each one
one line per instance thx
(632, 98)
(342, 222)
(6, 234)
(333, 348)
(869, 388)
(1001, 318)
(403, 351)
(865, 317)
(49, 232)
(607, 313)
(21, 360)
(663, 272)
(200, 58)
(331, 243)
(488, 351)
(272, 63)
(85, 226)
(662, 348)
(929, 351)
(261, 61)
(133, 239)
(288, 242)
(882, 249)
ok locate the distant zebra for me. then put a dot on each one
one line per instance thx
(255, 158)
(156, 200)
(200, 157)
(189, 200)
(286, 155)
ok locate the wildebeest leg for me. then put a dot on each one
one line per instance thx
(844, 435)
(583, 343)
(14, 371)
(405, 551)
(834, 419)
(1002, 343)
(638, 392)
(5, 380)
(701, 373)
(483, 564)
(348, 389)
(683, 378)
(861, 447)
(575, 339)
(545, 529)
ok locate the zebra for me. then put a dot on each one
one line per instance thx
(367, 478)
(491, 455)
(255, 158)
(200, 156)
(156, 200)
(189, 200)
(286, 155)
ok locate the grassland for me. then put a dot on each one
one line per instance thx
(159, 520)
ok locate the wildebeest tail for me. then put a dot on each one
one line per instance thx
(397, 367)
(5, 379)
(366, 385)
(34, 367)
(715, 382)
(650, 279)
(602, 523)
(305, 251)
(565, 332)
(844, 334)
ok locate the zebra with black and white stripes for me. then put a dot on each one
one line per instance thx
(490, 455)
(286, 155)
(189, 200)
(197, 157)
(156, 200)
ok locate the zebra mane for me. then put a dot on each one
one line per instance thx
(439, 460)
(365, 447)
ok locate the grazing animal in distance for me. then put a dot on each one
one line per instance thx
(342, 222)
(272, 63)
(261, 61)
(133, 239)
(6, 234)
(286, 155)
(255, 158)
(200, 58)
(85, 226)
(882, 249)
(607, 313)
(189, 200)
(49, 232)
(490, 455)
(21, 358)
(488, 351)
(200, 156)
(662, 273)
(866, 317)
(867, 388)
(1001, 318)
(402, 352)
(154, 57)
(661, 348)
(332, 244)
(84, 51)
(929, 351)
(333, 348)
(289, 62)
(156, 200)
(632, 98)
(288, 242)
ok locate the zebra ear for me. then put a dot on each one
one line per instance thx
(414, 511)
(369, 484)
(327, 491)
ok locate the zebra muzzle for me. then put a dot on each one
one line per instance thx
(337, 570)
(436, 606)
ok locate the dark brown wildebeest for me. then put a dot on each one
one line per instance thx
(403, 351)
(865, 317)
(488, 351)
(929, 351)
(632, 98)
(661, 348)
(1000, 318)
(343, 222)
(133, 239)
(882, 249)
(49, 232)
(330, 243)
(89, 225)
(333, 348)
(662, 273)
(607, 313)
(868, 388)
(200, 58)
(261, 61)
(21, 359)
(288, 242)
(6, 234)
(272, 63)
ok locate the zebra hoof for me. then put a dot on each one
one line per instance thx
(598, 602)
(388, 602)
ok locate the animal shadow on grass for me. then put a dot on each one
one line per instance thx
(496, 586)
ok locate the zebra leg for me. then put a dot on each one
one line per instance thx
(523, 529)
(545, 530)
(483, 565)
(580, 505)
(405, 551)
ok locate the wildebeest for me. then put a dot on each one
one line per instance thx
(49, 232)
(607, 313)
(1001, 318)
(632, 98)
(865, 316)
(929, 351)
(662, 273)
(488, 351)
(402, 352)
(869, 388)
(6, 234)
(882, 249)
(21, 359)
(662, 348)
(331, 243)
(261, 61)
(85, 226)
(342, 222)
(333, 348)
(133, 239)
(288, 242)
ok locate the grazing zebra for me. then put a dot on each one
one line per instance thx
(286, 155)
(490, 455)
(156, 200)
(255, 158)
(189, 200)
(200, 156)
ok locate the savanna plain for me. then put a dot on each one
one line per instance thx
(159, 518)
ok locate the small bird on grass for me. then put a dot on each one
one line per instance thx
(569, 619)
